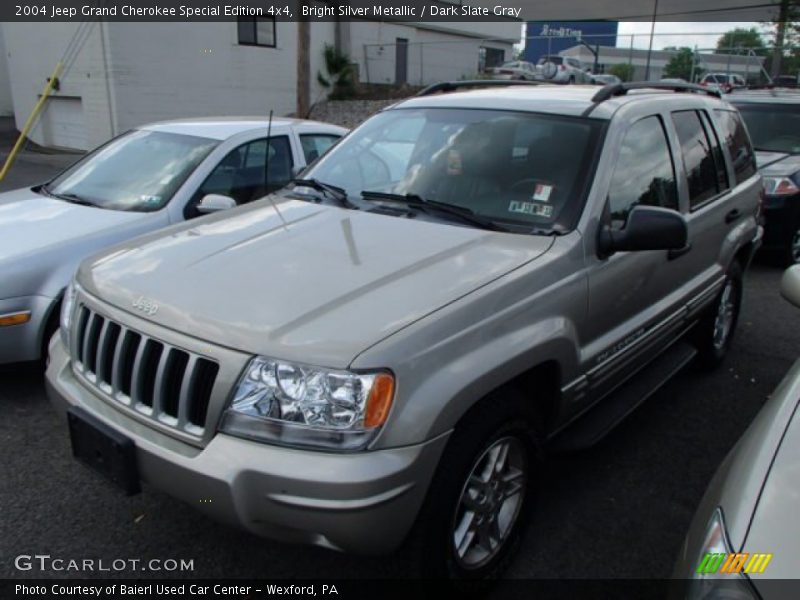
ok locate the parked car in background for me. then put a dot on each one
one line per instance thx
(561, 69)
(724, 82)
(515, 69)
(605, 79)
(772, 117)
(145, 179)
(785, 81)
(745, 531)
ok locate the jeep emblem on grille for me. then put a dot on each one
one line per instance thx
(145, 305)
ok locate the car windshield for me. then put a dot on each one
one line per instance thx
(512, 167)
(138, 171)
(773, 127)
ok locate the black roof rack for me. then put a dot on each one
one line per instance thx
(451, 86)
(620, 89)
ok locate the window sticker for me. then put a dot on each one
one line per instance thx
(531, 208)
(150, 199)
(454, 162)
(541, 192)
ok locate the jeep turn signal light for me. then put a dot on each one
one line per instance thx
(15, 318)
(379, 401)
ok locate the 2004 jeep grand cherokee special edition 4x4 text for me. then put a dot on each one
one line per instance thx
(380, 351)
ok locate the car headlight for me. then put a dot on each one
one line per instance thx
(299, 405)
(780, 186)
(711, 579)
(67, 308)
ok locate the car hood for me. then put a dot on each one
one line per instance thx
(30, 222)
(775, 528)
(305, 282)
(777, 164)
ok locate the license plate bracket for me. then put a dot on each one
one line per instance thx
(103, 449)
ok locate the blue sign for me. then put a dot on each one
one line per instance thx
(551, 37)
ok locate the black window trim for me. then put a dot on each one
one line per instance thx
(240, 20)
(727, 190)
(718, 195)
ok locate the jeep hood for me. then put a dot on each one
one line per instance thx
(310, 283)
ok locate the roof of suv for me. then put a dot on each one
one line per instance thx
(571, 100)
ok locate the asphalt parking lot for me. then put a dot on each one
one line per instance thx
(619, 510)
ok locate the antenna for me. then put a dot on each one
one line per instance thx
(266, 172)
(266, 149)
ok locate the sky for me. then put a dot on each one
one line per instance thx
(703, 35)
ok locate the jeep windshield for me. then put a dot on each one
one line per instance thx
(138, 171)
(773, 127)
(524, 170)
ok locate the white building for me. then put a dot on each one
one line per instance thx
(6, 105)
(120, 75)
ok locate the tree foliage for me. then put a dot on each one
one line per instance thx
(739, 40)
(339, 79)
(623, 70)
(680, 65)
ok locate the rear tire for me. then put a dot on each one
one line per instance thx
(713, 335)
(481, 497)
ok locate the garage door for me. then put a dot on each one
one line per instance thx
(63, 124)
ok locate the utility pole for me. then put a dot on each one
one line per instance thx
(303, 68)
(650, 47)
(780, 38)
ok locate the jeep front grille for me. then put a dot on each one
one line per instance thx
(162, 382)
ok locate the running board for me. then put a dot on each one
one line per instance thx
(611, 410)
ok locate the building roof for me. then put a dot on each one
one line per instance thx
(221, 128)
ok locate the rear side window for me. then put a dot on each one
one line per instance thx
(644, 173)
(698, 159)
(738, 142)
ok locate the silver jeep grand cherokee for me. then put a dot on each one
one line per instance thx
(382, 351)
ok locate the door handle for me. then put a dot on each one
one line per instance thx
(732, 216)
(676, 252)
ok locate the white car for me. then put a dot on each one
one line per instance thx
(561, 69)
(515, 69)
(143, 180)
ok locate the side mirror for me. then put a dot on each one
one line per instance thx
(790, 285)
(648, 228)
(212, 203)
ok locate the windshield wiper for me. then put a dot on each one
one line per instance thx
(338, 194)
(69, 197)
(428, 206)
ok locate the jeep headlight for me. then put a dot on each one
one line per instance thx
(67, 308)
(299, 405)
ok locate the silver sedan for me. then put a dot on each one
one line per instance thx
(745, 538)
(139, 182)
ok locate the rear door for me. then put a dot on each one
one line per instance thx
(707, 203)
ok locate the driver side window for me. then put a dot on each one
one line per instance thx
(644, 173)
(242, 174)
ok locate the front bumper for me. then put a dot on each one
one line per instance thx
(363, 502)
(19, 343)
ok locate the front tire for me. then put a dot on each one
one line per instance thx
(713, 335)
(481, 497)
